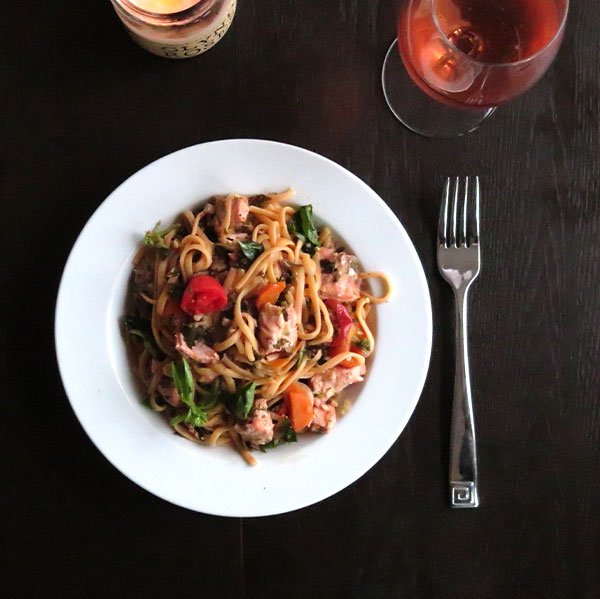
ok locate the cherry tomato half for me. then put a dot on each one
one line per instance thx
(203, 295)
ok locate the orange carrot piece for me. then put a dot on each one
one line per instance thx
(278, 362)
(299, 403)
(351, 361)
(269, 294)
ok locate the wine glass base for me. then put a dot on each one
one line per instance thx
(416, 110)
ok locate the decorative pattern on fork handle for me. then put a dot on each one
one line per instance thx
(459, 262)
(463, 494)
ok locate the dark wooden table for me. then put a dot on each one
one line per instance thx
(84, 108)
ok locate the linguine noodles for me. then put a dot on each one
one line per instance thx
(247, 321)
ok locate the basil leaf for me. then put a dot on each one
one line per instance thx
(177, 419)
(184, 381)
(141, 328)
(133, 322)
(193, 334)
(152, 347)
(363, 344)
(303, 227)
(300, 358)
(211, 396)
(214, 394)
(251, 249)
(240, 402)
(308, 226)
(154, 238)
(327, 266)
(195, 417)
(293, 227)
(285, 434)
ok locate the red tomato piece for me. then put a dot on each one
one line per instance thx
(203, 295)
(340, 317)
(344, 332)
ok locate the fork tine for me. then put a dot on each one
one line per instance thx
(443, 221)
(464, 238)
(452, 240)
(472, 213)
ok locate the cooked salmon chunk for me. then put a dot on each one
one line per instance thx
(258, 430)
(239, 214)
(278, 328)
(332, 381)
(339, 279)
(324, 417)
(199, 353)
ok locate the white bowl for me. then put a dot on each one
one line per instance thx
(93, 362)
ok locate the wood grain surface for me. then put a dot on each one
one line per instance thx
(84, 108)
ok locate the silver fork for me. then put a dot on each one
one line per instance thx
(459, 260)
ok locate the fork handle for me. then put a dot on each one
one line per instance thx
(463, 451)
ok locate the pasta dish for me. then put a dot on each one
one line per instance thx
(246, 321)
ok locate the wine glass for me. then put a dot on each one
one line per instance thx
(468, 56)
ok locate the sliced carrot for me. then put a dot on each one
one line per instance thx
(278, 363)
(299, 403)
(269, 294)
(352, 361)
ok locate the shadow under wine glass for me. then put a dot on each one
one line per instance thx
(468, 56)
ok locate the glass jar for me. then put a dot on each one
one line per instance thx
(182, 29)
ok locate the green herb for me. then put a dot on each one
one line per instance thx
(189, 335)
(142, 329)
(213, 395)
(300, 358)
(184, 380)
(154, 238)
(285, 434)
(192, 334)
(327, 266)
(148, 342)
(192, 417)
(251, 250)
(303, 227)
(134, 322)
(240, 402)
(362, 343)
(281, 343)
(184, 383)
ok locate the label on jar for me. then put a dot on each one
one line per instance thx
(198, 42)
